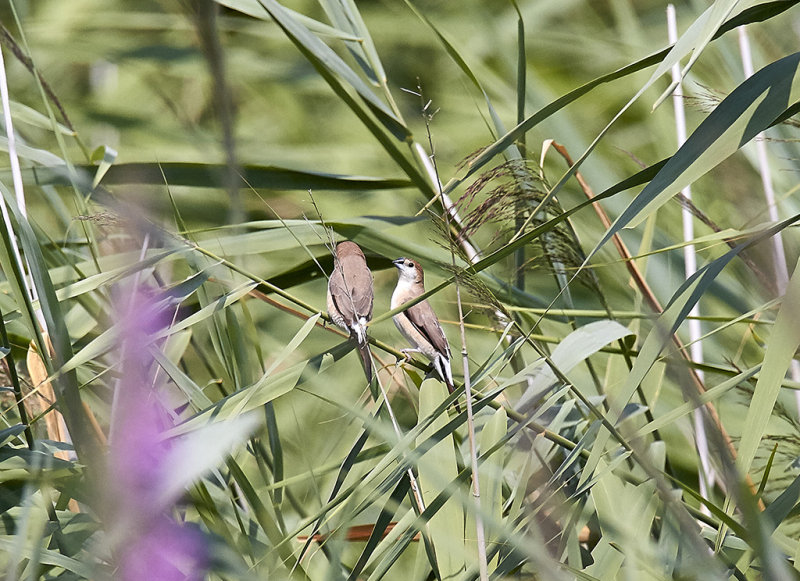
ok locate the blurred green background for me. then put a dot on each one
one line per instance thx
(171, 82)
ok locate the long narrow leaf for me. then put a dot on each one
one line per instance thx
(752, 107)
(673, 316)
(781, 348)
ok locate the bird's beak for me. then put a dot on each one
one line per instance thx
(399, 261)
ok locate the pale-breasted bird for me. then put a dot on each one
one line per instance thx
(418, 324)
(350, 297)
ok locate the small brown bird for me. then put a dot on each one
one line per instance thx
(350, 297)
(418, 324)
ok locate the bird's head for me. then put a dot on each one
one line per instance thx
(409, 270)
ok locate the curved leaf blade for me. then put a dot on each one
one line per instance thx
(752, 107)
(205, 175)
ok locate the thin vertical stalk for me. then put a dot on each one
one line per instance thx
(412, 478)
(519, 255)
(778, 255)
(480, 534)
(19, 191)
(208, 33)
(707, 475)
(760, 144)
(16, 172)
(15, 384)
(451, 211)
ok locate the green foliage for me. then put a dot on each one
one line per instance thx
(208, 155)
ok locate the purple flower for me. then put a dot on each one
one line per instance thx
(166, 552)
(147, 542)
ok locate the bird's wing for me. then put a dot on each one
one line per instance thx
(424, 319)
(339, 295)
(351, 290)
(358, 279)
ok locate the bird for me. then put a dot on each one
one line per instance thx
(350, 297)
(418, 323)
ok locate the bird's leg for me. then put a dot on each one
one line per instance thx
(407, 354)
(405, 359)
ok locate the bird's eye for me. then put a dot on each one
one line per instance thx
(408, 263)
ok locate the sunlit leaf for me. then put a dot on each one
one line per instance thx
(437, 468)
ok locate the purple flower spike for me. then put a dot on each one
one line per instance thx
(147, 542)
(168, 552)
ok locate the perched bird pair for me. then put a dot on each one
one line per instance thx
(350, 298)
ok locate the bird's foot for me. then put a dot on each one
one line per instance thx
(407, 354)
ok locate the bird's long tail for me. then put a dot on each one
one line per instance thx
(366, 357)
(442, 367)
(359, 334)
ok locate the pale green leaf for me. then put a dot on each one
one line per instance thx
(437, 469)
(783, 344)
(23, 113)
(200, 450)
(256, 10)
(574, 348)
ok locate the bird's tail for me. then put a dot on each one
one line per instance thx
(359, 334)
(359, 328)
(442, 367)
(366, 357)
